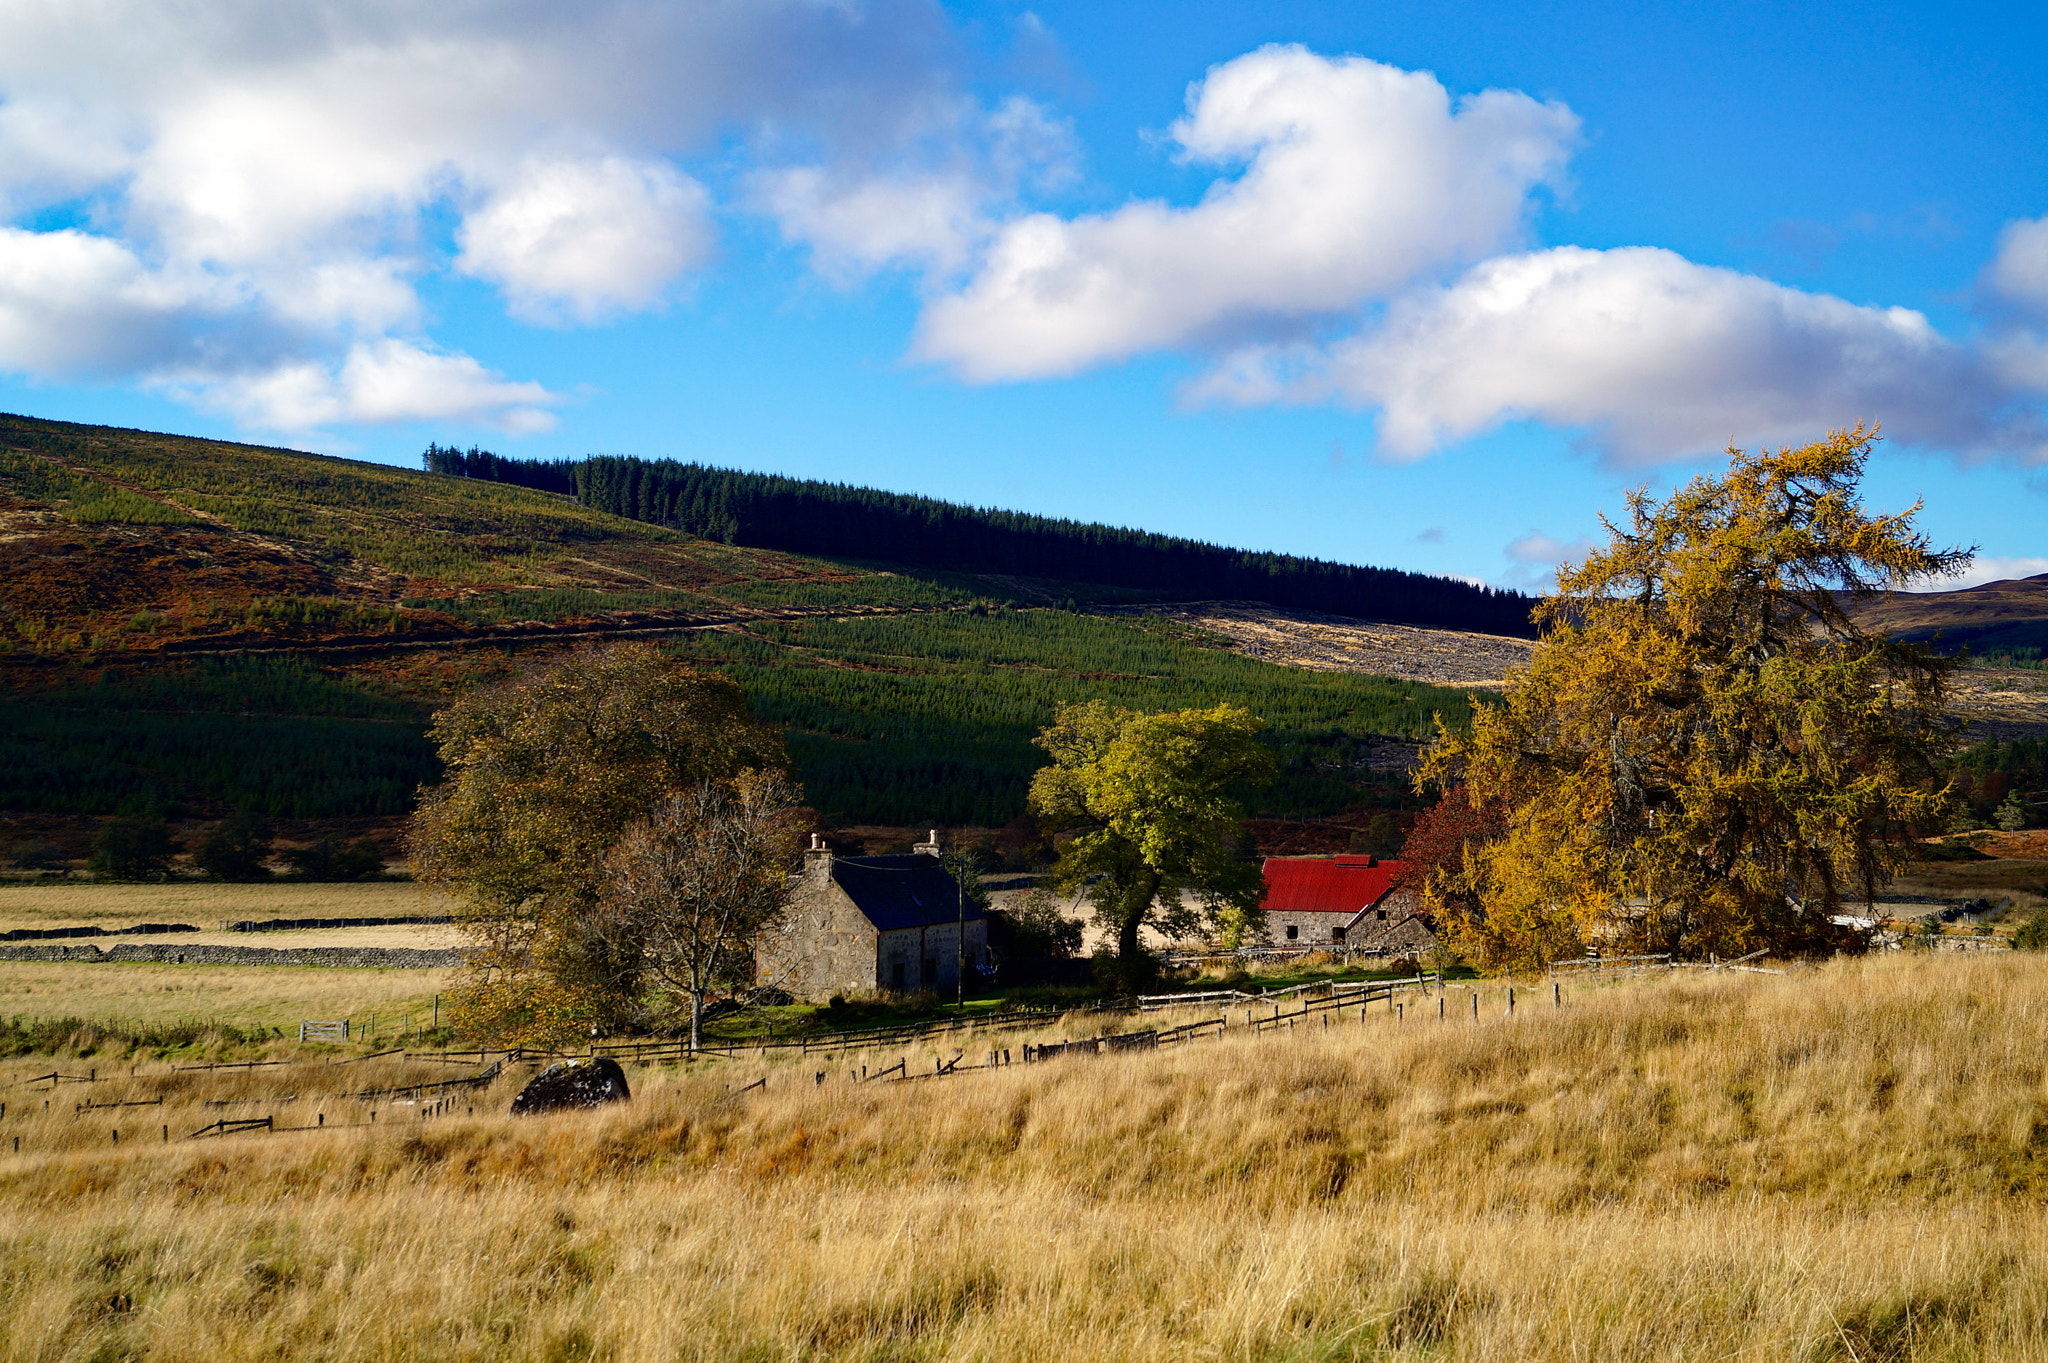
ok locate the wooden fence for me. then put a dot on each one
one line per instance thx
(1621, 967)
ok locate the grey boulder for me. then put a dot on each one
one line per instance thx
(573, 1083)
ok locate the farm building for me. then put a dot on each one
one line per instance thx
(861, 924)
(1342, 901)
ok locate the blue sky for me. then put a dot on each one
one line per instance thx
(1427, 286)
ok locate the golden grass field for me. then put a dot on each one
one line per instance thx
(1844, 1162)
(247, 996)
(49, 903)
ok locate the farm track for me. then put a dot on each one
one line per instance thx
(534, 632)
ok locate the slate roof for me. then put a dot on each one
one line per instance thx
(902, 891)
(1326, 884)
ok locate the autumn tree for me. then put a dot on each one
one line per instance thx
(693, 891)
(1441, 843)
(1147, 799)
(546, 773)
(1706, 752)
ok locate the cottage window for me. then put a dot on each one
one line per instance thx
(896, 974)
(1383, 915)
(1336, 934)
(1292, 932)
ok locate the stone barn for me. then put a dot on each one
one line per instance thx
(1347, 901)
(891, 924)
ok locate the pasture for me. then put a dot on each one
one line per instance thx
(131, 996)
(1843, 1162)
(52, 903)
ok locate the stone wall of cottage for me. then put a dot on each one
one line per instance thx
(927, 958)
(827, 945)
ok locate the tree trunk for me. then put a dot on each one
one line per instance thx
(696, 1019)
(1131, 914)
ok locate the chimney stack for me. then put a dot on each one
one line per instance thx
(817, 857)
(930, 848)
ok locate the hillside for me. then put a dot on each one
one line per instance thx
(191, 625)
(808, 516)
(1995, 617)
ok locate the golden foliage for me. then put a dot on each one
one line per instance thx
(1705, 753)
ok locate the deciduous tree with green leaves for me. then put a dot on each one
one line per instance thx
(545, 775)
(1147, 800)
(1706, 752)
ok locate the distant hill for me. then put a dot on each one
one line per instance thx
(196, 625)
(811, 517)
(1996, 617)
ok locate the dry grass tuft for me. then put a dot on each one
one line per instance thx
(1845, 1163)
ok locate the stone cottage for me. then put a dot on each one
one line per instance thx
(1347, 901)
(865, 924)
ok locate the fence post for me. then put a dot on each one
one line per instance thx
(1556, 995)
(1439, 1006)
(1475, 1005)
(1511, 1000)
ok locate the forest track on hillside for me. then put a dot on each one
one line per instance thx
(646, 625)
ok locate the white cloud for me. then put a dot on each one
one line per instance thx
(1539, 548)
(268, 180)
(2018, 274)
(587, 239)
(932, 209)
(1985, 568)
(77, 305)
(1536, 557)
(378, 383)
(860, 224)
(1357, 178)
(1652, 356)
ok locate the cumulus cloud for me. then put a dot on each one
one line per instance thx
(587, 239)
(931, 210)
(1356, 178)
(1536, 557)
(1654, 357)
(856, 225)
(376, 383)
(1537, 547)
(266, 183)
(76, 305)
(2018, 274)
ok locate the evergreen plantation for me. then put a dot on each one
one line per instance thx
(809, 517)
(891, 720)
(150, 583)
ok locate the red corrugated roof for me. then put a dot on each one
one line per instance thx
(1326, 884)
